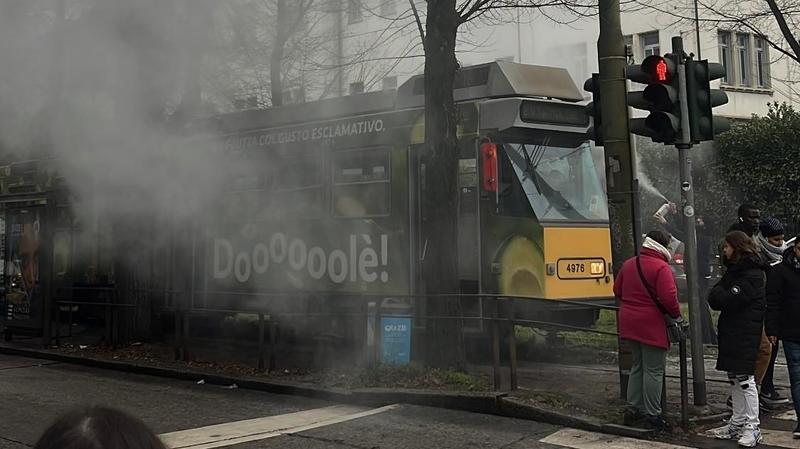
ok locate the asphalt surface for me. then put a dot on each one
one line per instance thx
(34, 392)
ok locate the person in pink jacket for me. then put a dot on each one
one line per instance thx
(642, 324)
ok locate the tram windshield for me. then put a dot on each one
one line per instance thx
(560, 183)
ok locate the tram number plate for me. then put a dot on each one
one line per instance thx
(581, 268)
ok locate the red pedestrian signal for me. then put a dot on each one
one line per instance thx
(659, 98)
(661, 71)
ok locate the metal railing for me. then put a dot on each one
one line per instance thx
(495, 317)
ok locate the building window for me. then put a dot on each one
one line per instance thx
(354, 12)
(762, 62)
(357, 88)
(388, 8)
(628, 40)
(390, 82)
(745, 58)
(743, 54)
(725, 56)
(650, 45)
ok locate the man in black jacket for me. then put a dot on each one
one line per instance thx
(783, 316)
(749, 217)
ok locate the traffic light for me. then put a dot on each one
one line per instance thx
(593, 109)
(702, 99)
(660, 97)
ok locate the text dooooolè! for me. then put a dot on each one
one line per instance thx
(359, 262)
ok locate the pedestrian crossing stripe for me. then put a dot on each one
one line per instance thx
(580, 439)
(787, 416)
(228, 434)
(779, 438)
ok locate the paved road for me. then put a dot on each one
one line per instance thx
(33, 392)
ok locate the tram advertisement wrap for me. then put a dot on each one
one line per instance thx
(256, 259)
(22, 264)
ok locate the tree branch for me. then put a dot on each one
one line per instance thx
(785, 30)
(418, 20)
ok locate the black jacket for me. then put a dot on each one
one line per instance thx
(783, 299)
(740, 296)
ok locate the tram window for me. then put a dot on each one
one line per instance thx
(511, 196)
(298, 173)
(296, 187)
(304, 203)
(559, 182)
(361, 183)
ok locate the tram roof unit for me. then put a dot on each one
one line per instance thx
(498, 79)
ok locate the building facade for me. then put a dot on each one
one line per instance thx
(380, 48)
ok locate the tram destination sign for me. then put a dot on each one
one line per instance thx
(553, 113)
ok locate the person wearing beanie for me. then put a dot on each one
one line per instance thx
(772, 246)
(771, 241)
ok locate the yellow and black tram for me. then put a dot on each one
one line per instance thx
(322, 205)
(330, 202)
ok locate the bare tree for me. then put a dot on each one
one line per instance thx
(444, 17)
(288, 20)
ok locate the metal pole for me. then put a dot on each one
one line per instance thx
(618, 158)
(690, 253)
(697, 29)
(684, 386)
(372, 333)
(512, 347)
(495, 347)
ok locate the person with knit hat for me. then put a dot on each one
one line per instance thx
(772, 246)
(770, 240)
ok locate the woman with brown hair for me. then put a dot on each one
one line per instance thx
(740, 296)
(98, 427)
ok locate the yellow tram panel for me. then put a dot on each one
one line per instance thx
(577, 263)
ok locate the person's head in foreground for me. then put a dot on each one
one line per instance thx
(98, 428)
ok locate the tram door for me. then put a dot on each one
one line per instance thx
(21, 247)
(467, 244)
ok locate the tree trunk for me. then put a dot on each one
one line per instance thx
(445, 347)
(276, 57)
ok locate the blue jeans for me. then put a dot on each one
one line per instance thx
(792, 351)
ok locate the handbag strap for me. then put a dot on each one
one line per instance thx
(649, 289)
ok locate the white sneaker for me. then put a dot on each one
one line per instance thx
(727, 432)
(751, 436)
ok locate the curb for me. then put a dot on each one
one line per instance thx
(514, 408)
(486, 403)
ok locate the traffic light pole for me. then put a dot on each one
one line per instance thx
(618, 156)
(690, 254)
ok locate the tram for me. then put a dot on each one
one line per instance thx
(321, 207)
(327, 197)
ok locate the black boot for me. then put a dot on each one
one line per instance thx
(657, 422)
(632, 417)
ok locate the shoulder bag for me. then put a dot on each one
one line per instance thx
(675, 332)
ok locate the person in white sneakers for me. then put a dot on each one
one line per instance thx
(740, 296)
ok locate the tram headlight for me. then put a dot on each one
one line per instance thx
(521, 268)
